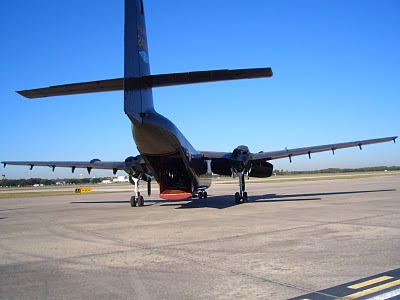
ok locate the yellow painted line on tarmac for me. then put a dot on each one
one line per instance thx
(369, 282)
(371, 290)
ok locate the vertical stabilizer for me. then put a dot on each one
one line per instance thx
(137, 99)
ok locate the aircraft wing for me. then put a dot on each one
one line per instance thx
(297, 151)
(127, 166)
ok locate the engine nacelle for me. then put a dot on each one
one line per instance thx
(221, 166)
(199, 165)
(261, 169)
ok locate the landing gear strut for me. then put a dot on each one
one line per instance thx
(136, 200)
(242, 195)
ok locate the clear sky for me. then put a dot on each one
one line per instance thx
(336, 78)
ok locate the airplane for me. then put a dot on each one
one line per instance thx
(165, 154)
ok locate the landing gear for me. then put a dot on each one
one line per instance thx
(133, 201)
(136, 200)
(237, 198)
(242, 195)
(203, 194)
(245, 199)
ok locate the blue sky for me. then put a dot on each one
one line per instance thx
(336, 78)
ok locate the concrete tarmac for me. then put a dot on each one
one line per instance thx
(291, 239)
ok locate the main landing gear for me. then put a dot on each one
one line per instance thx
(137, 200)
(241, 195)
(203, 194)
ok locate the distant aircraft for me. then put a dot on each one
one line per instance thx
(165, 154)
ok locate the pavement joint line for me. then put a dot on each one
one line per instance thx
(367, 225)
(274, 231)
(220, 239)
(71, 261)
(165, 253)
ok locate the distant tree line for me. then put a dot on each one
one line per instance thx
(338, 170)
(40, 181)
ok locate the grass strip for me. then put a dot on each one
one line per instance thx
(337, 177)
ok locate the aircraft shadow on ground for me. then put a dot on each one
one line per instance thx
(225, 201)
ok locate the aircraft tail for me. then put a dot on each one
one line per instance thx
(137, 82)
(137, 98)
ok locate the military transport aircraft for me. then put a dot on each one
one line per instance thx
(165, 154)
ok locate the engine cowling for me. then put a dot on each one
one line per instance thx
(221, 166)
(261, 169)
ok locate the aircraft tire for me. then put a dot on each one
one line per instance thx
(237, 198)
(133, 201)
(140, 201)
(245, 199)
(205, 195)
(200, 195)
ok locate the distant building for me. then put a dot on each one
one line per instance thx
(120, 179)
(106, 181)
(3, 177)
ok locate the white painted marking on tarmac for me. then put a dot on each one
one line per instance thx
(387, 295)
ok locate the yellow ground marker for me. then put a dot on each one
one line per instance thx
(369, 282)
(371, 290)
(83, 190)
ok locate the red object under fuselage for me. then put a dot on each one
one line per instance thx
(175, 195)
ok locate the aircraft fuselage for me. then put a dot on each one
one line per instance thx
(179, 169)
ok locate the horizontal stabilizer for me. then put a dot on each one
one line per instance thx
(75, 88)
(205, 76)
(146, 82)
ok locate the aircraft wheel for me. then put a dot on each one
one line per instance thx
(200, 195)
(140, 201)
(245, 199)
(133, 201)
(205, 195)
(237, 198)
